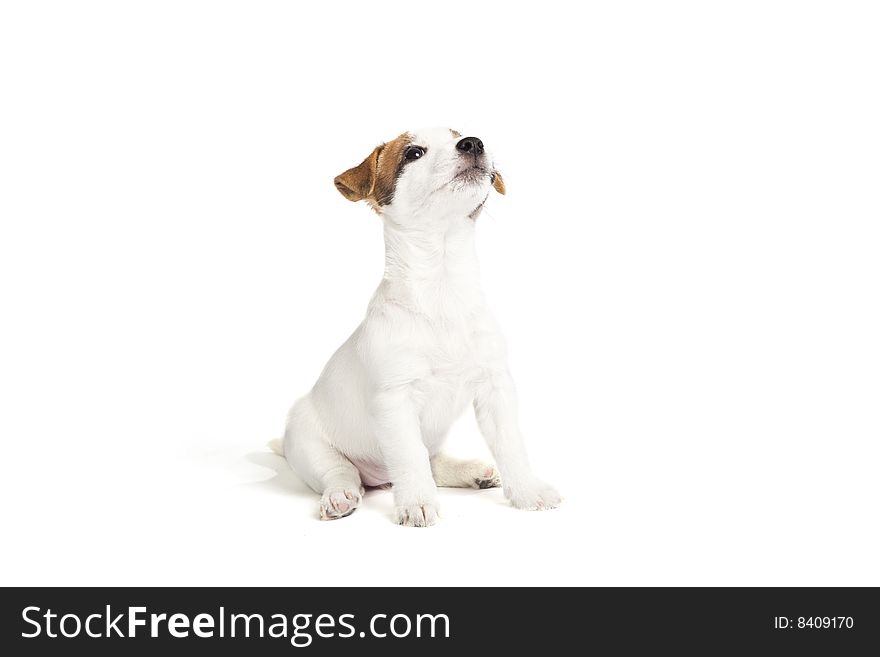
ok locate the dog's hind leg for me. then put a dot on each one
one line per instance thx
(457, 473)
(326, 470)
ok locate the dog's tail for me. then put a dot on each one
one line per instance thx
(276, 446)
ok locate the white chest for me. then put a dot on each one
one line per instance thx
(447, 389)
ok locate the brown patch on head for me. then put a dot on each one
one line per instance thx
(455, 133)
(375, 178)
(498, 183)
(388, 169)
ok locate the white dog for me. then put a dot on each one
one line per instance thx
(428, 347)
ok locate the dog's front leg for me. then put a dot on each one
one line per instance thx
(406, 457)
(495, 407)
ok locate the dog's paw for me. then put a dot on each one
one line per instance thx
(486, 476)
(451, 472)
(533, 495)
(338, 503)
(416, 515)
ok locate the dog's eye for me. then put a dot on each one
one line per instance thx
(413, 153)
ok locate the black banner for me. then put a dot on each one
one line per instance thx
(391, 621)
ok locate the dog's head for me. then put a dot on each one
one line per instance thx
(425, 172)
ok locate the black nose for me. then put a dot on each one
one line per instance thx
(470, 145)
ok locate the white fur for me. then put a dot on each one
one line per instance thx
(427, 349)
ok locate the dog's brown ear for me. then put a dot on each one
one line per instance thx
(358, 182)
(498, 183)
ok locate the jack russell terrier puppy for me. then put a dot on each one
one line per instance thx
(427, 348)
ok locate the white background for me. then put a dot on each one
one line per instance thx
(686, 268)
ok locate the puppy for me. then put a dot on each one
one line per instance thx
(427, 348)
